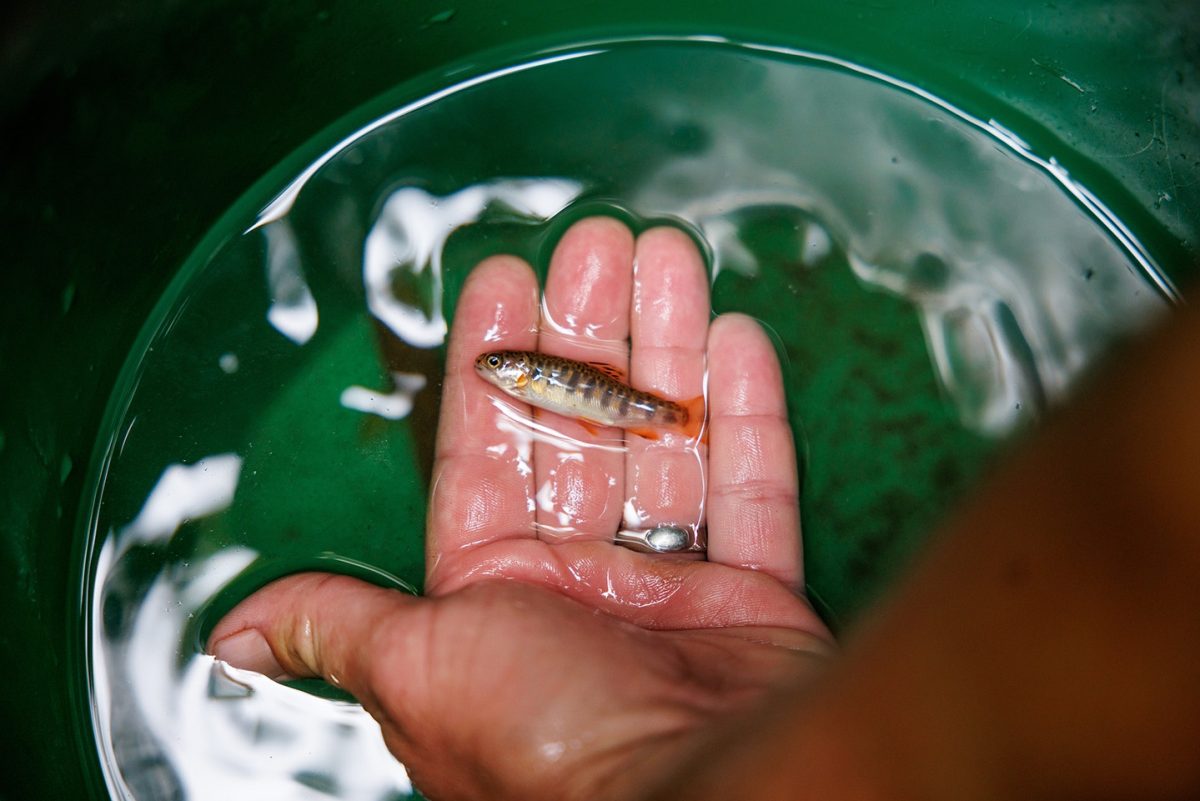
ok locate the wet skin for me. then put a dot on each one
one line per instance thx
(545, 661)
(1046, 646)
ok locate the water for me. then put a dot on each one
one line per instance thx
(932, 287)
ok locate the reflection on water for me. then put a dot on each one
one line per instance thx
(206, 730)
(394, 405)
(293, 312)
(404, 247)
(201, 729)
(933, 288)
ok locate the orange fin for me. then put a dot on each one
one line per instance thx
(645, 433)
(694, 424)
(615, 373)
(590, 426)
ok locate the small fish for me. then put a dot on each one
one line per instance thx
(594, 394)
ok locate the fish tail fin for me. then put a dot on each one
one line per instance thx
(693, 425)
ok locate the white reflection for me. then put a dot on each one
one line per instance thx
(279, 207)
(273, 742)
(134, 662)
(816, 247)
(184, 492)
(976, 359)
(293, 311)
(394, 405)
(981, 241)
(404, 247)
(633, 516)
(173, 724)
(546, 497)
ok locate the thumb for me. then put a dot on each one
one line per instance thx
(320, 625)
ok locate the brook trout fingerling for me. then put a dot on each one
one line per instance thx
(592, 393)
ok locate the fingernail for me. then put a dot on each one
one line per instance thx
(248, 650)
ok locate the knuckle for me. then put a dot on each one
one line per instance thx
(756, 491)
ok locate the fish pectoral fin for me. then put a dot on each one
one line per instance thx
(522, 380)
(646, 433)
(615, 373)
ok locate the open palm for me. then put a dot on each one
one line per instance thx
(546, 661)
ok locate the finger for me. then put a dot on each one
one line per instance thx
(753, 501)
(668, 333)
(321, 625)
(585, 317)
(481, 486)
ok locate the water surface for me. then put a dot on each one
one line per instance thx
(933, 288)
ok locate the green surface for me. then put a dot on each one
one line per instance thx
(881, 450)
(129, 127)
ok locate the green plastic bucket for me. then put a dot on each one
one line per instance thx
(132, 131)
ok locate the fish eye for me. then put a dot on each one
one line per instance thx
(493, 360)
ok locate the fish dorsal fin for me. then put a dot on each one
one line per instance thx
(615, 373)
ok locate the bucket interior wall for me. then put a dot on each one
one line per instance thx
(128, 128)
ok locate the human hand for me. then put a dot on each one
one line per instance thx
(546, 661)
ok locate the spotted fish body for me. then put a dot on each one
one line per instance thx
(594, 394)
